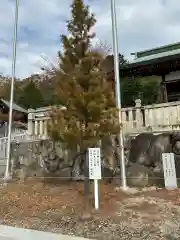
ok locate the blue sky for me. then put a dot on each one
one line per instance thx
(141, 24)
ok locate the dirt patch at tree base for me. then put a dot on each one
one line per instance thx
(63, 208)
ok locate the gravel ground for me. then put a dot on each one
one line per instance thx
(63, 208)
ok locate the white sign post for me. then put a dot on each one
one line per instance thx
(170, 179)
(94, 155)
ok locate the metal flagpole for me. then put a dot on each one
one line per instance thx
(8, 150)
(118, 89)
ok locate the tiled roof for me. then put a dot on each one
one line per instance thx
(15, 106)
(156, 56)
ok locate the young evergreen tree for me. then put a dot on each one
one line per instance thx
(82, 87)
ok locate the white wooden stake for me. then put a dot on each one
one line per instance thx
(96, 194)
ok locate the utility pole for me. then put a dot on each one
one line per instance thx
(118, 91)
(8, 149)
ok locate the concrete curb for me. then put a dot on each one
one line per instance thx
(12, 233)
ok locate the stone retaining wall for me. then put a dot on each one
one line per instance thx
(43, 158)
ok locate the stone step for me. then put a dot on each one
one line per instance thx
(6, 238)
(12, 233)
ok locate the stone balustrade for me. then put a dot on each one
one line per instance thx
(162, 117)
(37, 121)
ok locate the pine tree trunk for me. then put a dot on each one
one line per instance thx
(86, 174)
(85, 161)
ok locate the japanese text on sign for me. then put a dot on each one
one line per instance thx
(94, 155)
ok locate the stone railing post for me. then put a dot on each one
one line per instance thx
(41, 127)
(139, 119)
(36, 127)
(30, 122)
(45, 128)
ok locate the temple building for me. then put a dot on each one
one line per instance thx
(19, 117)
(162, 61)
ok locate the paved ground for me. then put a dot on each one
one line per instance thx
(6, 238)
(11, 233)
